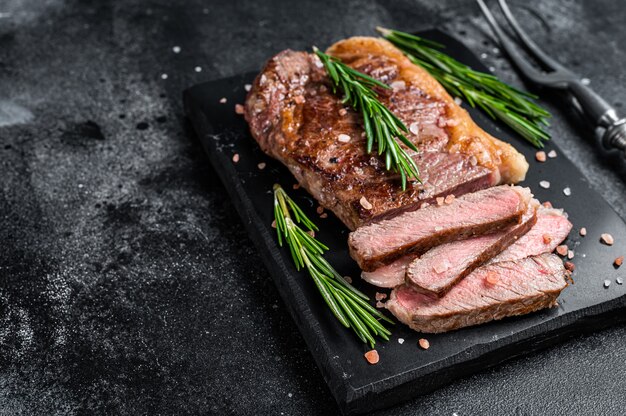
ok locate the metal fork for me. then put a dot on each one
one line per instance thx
(599, 112)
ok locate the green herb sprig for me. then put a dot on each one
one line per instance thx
(349, 305)
(381, 125)
(499, 100)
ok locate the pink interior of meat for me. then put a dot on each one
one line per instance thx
(491, 284)
(551, 229)
(476, 208)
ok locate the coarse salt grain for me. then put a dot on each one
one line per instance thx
(400, 340)
(607, 283)
(618, 261)
(380, 296)
(176, 49)
(562, 250)
(440, 200)
(607, 239)
(163, 76)
(547, 204)
(236, 157)
(547, 239)
(583, 232)
(347, 279)
(398, 85)
(372, 357)
(380, 305)
(414, 128)
(544, 184)
(552, 154)
(365, 203)
(198, 69)
(238, 108)
(492, 279)
(311, 233)
(343, 138)
(324, 216)
(457, 100)
(319, 209)
(567, 191)
(274, 224)
(449, 199)
(261, 165)
(570, 254)
(343, 112)
(423, 343)
(223, 100)
(619, 281)
(540, 156)
(247, 87)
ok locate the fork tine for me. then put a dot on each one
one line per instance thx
(510, 47)
(528, 42)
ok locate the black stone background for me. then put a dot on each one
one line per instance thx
(127, 284)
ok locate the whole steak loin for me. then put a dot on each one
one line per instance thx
(442, 267)
(478, 213)
(551, 228)
(491, 292)
(296, 118)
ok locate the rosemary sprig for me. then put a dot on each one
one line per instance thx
(381, 125)
(499, 100)
(349, 305)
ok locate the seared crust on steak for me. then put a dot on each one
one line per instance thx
(295, 117)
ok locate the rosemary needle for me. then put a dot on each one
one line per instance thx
(381, 125)
(499, 100)
(349, 305)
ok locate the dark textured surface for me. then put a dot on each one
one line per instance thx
(127, 284)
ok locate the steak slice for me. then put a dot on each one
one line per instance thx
(416, 232)
(491, 292)
(295, 117)
(391, 275)
(551, 229)
(442, 267)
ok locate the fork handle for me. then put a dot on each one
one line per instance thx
(594, 106)
(602, 114)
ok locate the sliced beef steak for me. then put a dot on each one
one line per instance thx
(442, 267)
(295, 117)
(491, 292)
(416, 232)
(551, 229)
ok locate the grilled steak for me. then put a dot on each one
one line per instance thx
(551, 229)
(295, 117)
(416, 232)
(491, 292)
(442, 267)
